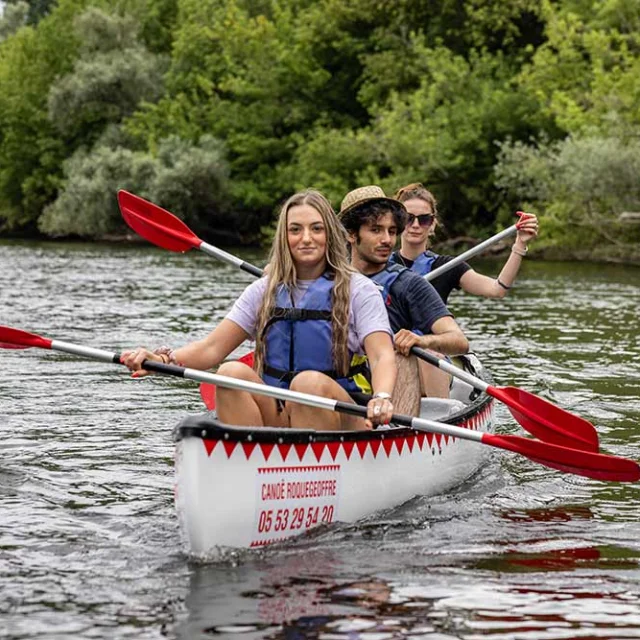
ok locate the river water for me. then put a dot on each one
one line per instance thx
(89, 545)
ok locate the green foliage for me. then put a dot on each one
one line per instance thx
(35, 9)
(157, 19)
(444, 133)
(30, 151)
(323, 93)
(581, 185)
(248, 80)
(585, 77)
(113, 74)
(333, 160)
(88, 205)
(190, 181)
(14, 16)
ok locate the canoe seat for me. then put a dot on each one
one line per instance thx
(439, 408)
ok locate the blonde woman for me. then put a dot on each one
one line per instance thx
(415, 254)
(311, 316)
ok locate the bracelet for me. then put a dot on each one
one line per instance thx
(383, 395)
(168, 352)
(503, 285)
(522, 254)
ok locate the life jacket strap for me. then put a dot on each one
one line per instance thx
(288, 376)
(295, 314)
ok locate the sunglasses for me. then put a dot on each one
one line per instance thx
(424, 220)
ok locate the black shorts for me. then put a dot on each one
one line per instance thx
(360, 398)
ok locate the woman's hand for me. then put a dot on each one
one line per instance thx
(527, 227)
(379, 411)
(134, 359)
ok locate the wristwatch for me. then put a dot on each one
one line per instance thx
(383, 395)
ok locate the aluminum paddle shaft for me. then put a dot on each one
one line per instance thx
(479, 248)
(538, 416)
(169, 232)
(584, 463)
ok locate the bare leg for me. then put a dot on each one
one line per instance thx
(243, 409)
(434, 382)
(406, 395)
(303, 416)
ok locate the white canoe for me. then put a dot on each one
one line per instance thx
(241, 487)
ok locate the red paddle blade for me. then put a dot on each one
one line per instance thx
(582, 463)
(17, 339)
(208, 390)
(546, 421)
(155, 224)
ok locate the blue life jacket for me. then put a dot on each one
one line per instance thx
(300, 338)
(385, 280)
(421, 265)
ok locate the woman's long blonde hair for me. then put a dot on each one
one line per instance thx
(281, 270)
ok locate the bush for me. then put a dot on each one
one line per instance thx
(188, 180)
(579, 186)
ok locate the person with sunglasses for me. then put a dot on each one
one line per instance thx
(415, 254)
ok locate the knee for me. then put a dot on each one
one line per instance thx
(313, 382)
(237, 370)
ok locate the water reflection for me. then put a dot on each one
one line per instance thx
(548, 514)
(305, 596)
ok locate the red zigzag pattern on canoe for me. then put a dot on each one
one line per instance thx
(434, 441)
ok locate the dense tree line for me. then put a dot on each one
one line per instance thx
(219, 109)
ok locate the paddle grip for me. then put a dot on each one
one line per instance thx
(158, 367)
(252, 269)
(358, 410)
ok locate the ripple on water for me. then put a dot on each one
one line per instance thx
(89, 541)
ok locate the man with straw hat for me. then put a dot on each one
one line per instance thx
(417, 315)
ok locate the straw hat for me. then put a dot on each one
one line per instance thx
(371, 193)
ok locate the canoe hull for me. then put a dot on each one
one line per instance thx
(248, 488)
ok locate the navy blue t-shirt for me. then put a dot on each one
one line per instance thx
(445, 283)
(414, 304)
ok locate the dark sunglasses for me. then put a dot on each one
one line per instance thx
(424, 220)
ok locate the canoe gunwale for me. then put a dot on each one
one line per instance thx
(207, 426)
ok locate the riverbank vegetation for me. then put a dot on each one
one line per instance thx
(218, 109)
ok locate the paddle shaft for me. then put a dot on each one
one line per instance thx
(249, 268)
(471, 252)
(451, 369)
(318, 402)
(230, 259)
(592, 465)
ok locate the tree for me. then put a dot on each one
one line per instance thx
(189, 180)
(14, 16)
(30, 150)
(35, 9)
(112, 75)
(582, 184)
